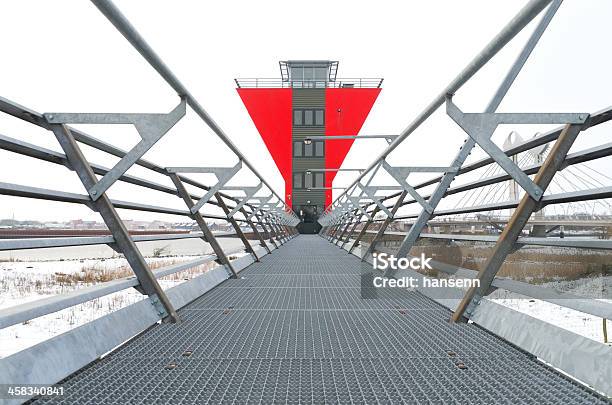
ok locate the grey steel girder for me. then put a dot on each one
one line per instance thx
(480, 127)
(370, 192)
(223, 175)
(469, 143)
(262, 242)
(384, 225)
(506, 34)
(210, 238)
(150, 127)
(237, 229)
(249, 193)
(122, 239)
(507, 240)
(400, 174)
(364, 229)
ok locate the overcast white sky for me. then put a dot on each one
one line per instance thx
(65, 56)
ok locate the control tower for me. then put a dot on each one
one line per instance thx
(308, 101)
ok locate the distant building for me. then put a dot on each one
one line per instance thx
(308, 101)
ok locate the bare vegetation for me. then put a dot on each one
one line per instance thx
(20, 284)
(531, 264)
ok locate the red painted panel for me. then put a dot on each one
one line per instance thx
(270, 110)
(346, 109)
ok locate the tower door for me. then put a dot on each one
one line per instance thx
(308, 215)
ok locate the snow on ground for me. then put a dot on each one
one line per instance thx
(22, 282)
(583, 324)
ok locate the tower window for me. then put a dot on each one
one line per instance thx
(297, 116)
(319, 148)
(319, 117)
(308, 183)
(297, 180)
(298, 148)
(312, 149)
(319, 179)
(308, 117)
(308, 148)
(305, 180)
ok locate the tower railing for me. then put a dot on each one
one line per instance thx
(305, 84)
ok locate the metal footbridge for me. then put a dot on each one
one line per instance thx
(294, 328)
(294, 318)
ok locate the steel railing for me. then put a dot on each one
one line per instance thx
(358, 218)
(271, 223)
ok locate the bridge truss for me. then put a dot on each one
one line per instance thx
(345, 224)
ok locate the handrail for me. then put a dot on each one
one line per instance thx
(528, 13)
(114, 15)
(535, 241)
(345, 212)
(276, 229)
(53, 242)
(35, 151)
(586, 155)
(34, 309)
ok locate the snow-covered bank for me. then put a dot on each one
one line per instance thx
(583, 324)
(22, 282)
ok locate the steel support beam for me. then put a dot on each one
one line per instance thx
(348, 224)
(337, 226)
(470, 143)
(342, 226)
(350, 233)
(123, 25)
(364, 229)
(507, 240)
(210, 238)
(262, 242)
(261, 222)
(522, 19)
(480, 128)
(123, 241)
(150, 127)
(236, 227)
(384, 225)
(278, 233)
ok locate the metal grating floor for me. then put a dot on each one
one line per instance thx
(294, 329)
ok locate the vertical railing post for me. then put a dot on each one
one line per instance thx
(262, 242)
(210, 238)
(103, 205)
(364, 229)
(323, 230)
(334, 229)
(518, 220)
(358, 218)
(385, 224)
(277, 230)
(348, 224)
(337, 227)
(236, 227)
(260, 221)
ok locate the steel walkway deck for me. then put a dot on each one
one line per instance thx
(294, 329)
